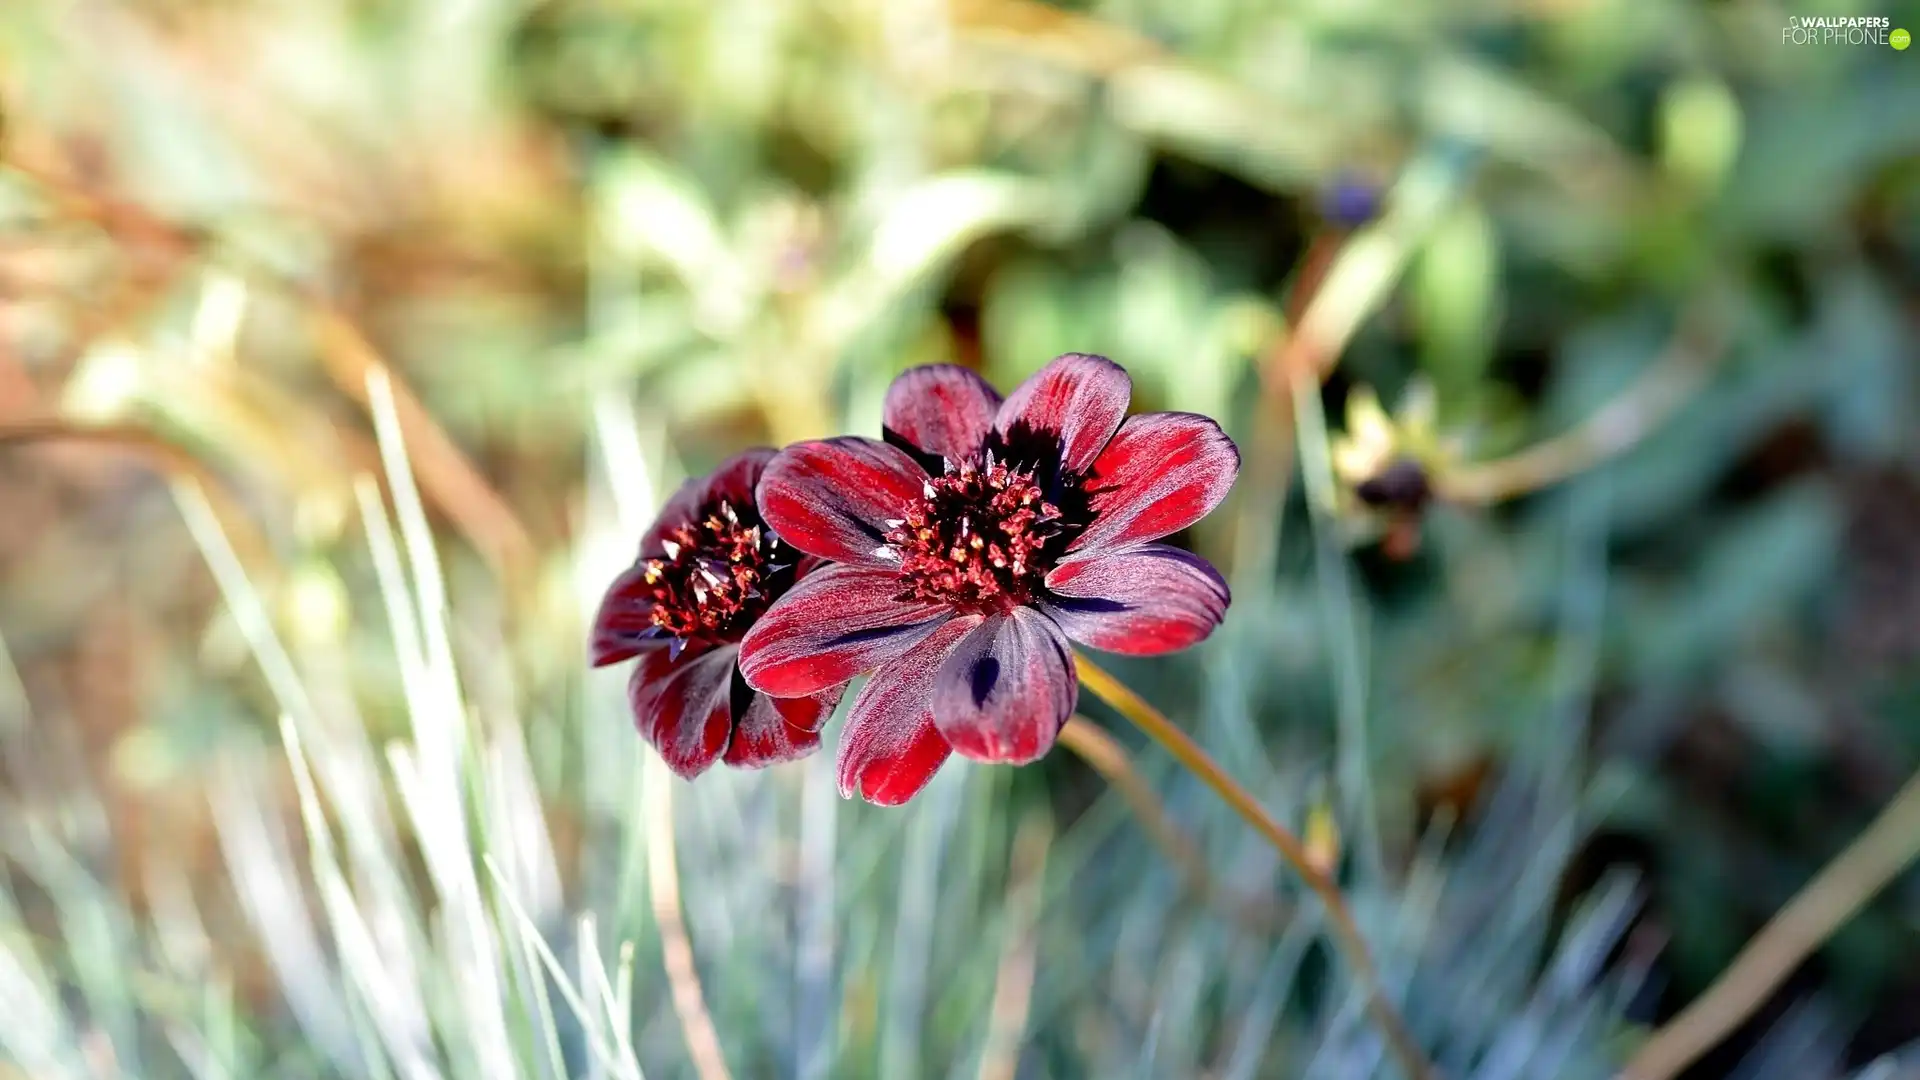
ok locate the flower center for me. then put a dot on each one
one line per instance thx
(980, 539)
(718, 576)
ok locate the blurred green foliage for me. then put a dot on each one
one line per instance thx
(639, 234)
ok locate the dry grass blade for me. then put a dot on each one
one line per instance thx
(1013, 984)
(1077, 40)
(663, 879)
(450, 479)
(1617, 427)
(1874, 858)
(170, 460)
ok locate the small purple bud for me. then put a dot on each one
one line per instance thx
(1351, 201)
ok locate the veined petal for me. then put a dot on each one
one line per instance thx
(683, 707)
(736, 478)
(1077, 398)
(1139, 601)
(943, 410)
(1161, 473)
(833, 625)
(678, 510)
(1006, 689)
(833, 498)
(778, 729)
(890, 747)
(809, 713)
(622, 627)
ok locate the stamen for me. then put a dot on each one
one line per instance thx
(979, 540)
(719, 574)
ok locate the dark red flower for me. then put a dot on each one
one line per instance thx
(971, 545)
(708, 567)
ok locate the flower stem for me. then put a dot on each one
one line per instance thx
(1107, 757)
(1346, 931)
(1620, 425)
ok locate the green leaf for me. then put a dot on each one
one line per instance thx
(1455, 287)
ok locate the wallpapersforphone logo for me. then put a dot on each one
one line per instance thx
(1843, 30)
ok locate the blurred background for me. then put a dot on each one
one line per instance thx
(346, 347)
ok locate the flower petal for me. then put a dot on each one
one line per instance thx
(1077, 399)
(773, 729)
(944, 410)
(1161, 473)
(675, 512)
(1006, 689)
(683, 707)
(809, 713)
(734, 481)
(623, 627)
(832, 498)
(830, 627)
(737, 476)
(890, 748)
(1140, 601)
